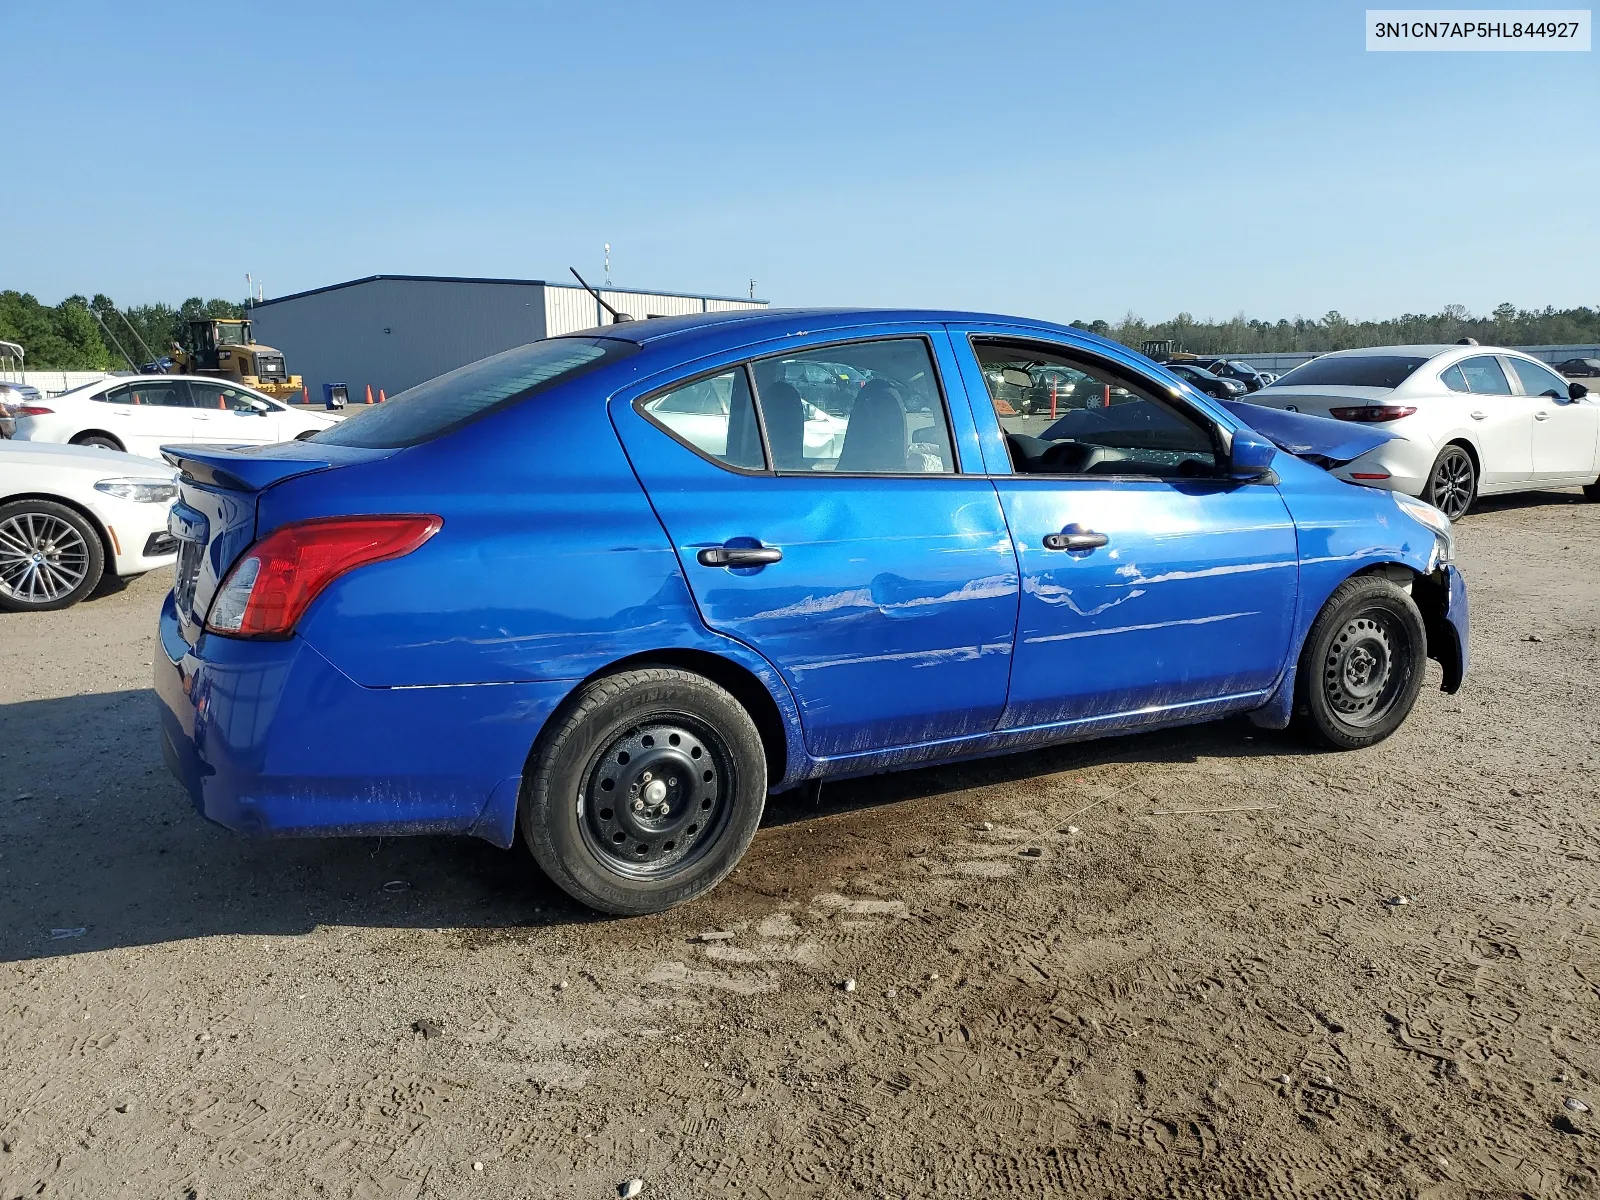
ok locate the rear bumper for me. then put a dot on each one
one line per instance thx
(1405, 464)
(270, 738)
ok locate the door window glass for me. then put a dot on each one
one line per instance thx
(171, 394)
(1454, 379)
(713, 416)
(865, 408)
(1062, 416)
(1484, 376)
(221, 396)
(1539, 381)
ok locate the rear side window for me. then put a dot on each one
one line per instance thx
(714, 416)
(1537, 380)
(1484, 376)
(170, 394)
(1361, 370)
(863, 408)
(1454, 379)
(450, 401)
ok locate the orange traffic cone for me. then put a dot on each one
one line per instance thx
(220, 402)
(305, 393)
(369, 393)
(380, 396)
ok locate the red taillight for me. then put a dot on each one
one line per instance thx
(270, 587)
(33, 410)
(1372, 412)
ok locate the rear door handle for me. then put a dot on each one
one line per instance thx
(1541, 416)
(1075, 537)
(1479, 416)
(739, 556)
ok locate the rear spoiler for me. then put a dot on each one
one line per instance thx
(1319, 440)
(256, 468)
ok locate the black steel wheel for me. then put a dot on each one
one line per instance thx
(1453, 482)
(1362, 666)
(644, 791)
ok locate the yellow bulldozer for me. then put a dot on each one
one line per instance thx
(225, 347)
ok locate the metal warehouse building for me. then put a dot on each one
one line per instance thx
(390, 332)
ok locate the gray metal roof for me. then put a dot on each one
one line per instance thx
(333, 287)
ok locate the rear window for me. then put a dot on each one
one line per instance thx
(449, 401)
(1364, 370)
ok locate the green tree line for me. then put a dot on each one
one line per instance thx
(1507, 325)
(94, 335)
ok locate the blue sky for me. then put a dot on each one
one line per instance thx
(1058, 160)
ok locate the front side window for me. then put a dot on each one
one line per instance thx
(1484, 376)
(1065, 416)
(866, 408)
(1539, 381)
(714, 416)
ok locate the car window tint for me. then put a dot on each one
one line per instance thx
(866, 408)
(1357, 370)
(449, 401)
(160, 394)
(714, 416)
(1484, 376)
(1062, 416)
(1454, 379)
(1537, 380)
(218, 395)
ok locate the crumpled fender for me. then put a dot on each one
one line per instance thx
(1321, 440)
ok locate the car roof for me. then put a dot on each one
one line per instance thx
(1418, 351)
(745, 326)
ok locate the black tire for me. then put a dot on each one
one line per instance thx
(50, 556)
(1363, 665)
(659, 735)
(1452, 482)
(1592, 490)
(104, 440)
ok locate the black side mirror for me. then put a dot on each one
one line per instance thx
(1577, 391)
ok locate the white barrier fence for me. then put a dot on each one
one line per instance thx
(53, 383)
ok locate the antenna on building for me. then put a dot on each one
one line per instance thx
(608, 264)
(616, 316)
(752, 289)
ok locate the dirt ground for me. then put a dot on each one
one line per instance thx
(1062, 987)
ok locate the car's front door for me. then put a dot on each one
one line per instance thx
(226, 416)
(1152, 584)
(1565, 431)
(873, 574)
(1502, 419)
(150, 413)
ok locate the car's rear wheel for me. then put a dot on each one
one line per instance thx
(645, 792)
(50, 556)
(1453, 482)
(103, 440)
(1363, 665)
(1592, 490)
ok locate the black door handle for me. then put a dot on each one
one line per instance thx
(1074, 537)
(739, 556)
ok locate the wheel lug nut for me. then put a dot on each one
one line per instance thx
(638, 806)
(646, 777)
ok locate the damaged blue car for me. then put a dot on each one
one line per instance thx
(613, 589)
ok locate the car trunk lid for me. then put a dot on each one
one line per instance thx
(1317, 401)
(214, 519)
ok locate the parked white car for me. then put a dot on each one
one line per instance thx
(1469, 421)
(69, 515)
(140, 413)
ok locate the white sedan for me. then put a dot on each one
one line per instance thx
(140, 413)
(70, 515)
(1469, 421)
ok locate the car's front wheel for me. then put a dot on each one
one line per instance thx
(103, 440)
(645, 791)
(50, 556)
(1453, 482)
(1363, 665)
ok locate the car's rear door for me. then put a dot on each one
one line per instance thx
(1502, 420)
(149, 413)
(1152, 584)
(1565, 431)
(870, 570)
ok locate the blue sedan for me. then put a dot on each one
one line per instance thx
(614, 589)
